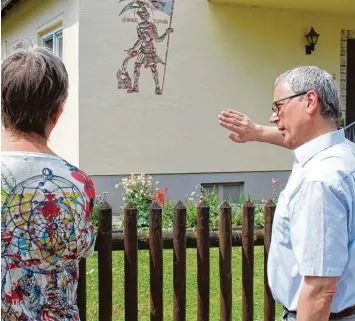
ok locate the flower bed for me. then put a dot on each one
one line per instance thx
(141, 191)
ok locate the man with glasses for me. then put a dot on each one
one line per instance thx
(311, 267)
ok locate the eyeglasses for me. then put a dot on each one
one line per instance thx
(275, 105)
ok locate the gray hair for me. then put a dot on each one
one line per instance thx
(305, 78)
(34, 82)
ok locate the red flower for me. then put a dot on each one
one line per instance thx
(159, 196)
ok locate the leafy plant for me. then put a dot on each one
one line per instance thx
(211, 200)
(168, 214)
(94, 215)
(191, 214)
(236, 214)
(137, 191)
(259, 215)
(140, 191)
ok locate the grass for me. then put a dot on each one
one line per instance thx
(191, 281)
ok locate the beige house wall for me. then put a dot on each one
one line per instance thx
(25, 24)
(316, 6)
(220, 56)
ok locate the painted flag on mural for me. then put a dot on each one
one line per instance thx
(166, 6)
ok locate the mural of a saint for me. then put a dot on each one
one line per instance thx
(143, 50)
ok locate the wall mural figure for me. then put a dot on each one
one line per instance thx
(144, 49)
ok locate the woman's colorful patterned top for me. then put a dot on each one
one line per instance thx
(45, 230)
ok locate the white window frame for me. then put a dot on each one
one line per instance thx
(56, 34)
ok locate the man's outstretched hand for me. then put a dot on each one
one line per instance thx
(245, 130)
(242, 127)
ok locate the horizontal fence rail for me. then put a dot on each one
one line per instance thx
(191, 239)
(130, 241)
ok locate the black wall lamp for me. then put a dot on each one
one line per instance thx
(312, 39)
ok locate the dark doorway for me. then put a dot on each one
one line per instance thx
(350, 82)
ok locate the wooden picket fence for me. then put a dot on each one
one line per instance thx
(130, 241)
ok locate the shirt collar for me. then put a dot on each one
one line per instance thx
(308, 150)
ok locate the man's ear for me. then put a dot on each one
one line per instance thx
(312, 100)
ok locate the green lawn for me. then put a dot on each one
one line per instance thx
(191, 279)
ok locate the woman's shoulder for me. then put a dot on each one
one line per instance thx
(45, 173)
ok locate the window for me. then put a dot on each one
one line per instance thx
(225, 191)
(54, 41)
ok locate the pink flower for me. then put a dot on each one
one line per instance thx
(264, 201)
(275, 180)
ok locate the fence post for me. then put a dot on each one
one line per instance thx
(156, 262)
(269, 302)
(179, 270)
(130, 263)
(105, 262)
(81, 297)
(248, 261)
(203, 262)
(225, 261)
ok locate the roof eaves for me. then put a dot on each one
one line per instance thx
(6, 6)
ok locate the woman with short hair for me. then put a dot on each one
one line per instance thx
(45, 201)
